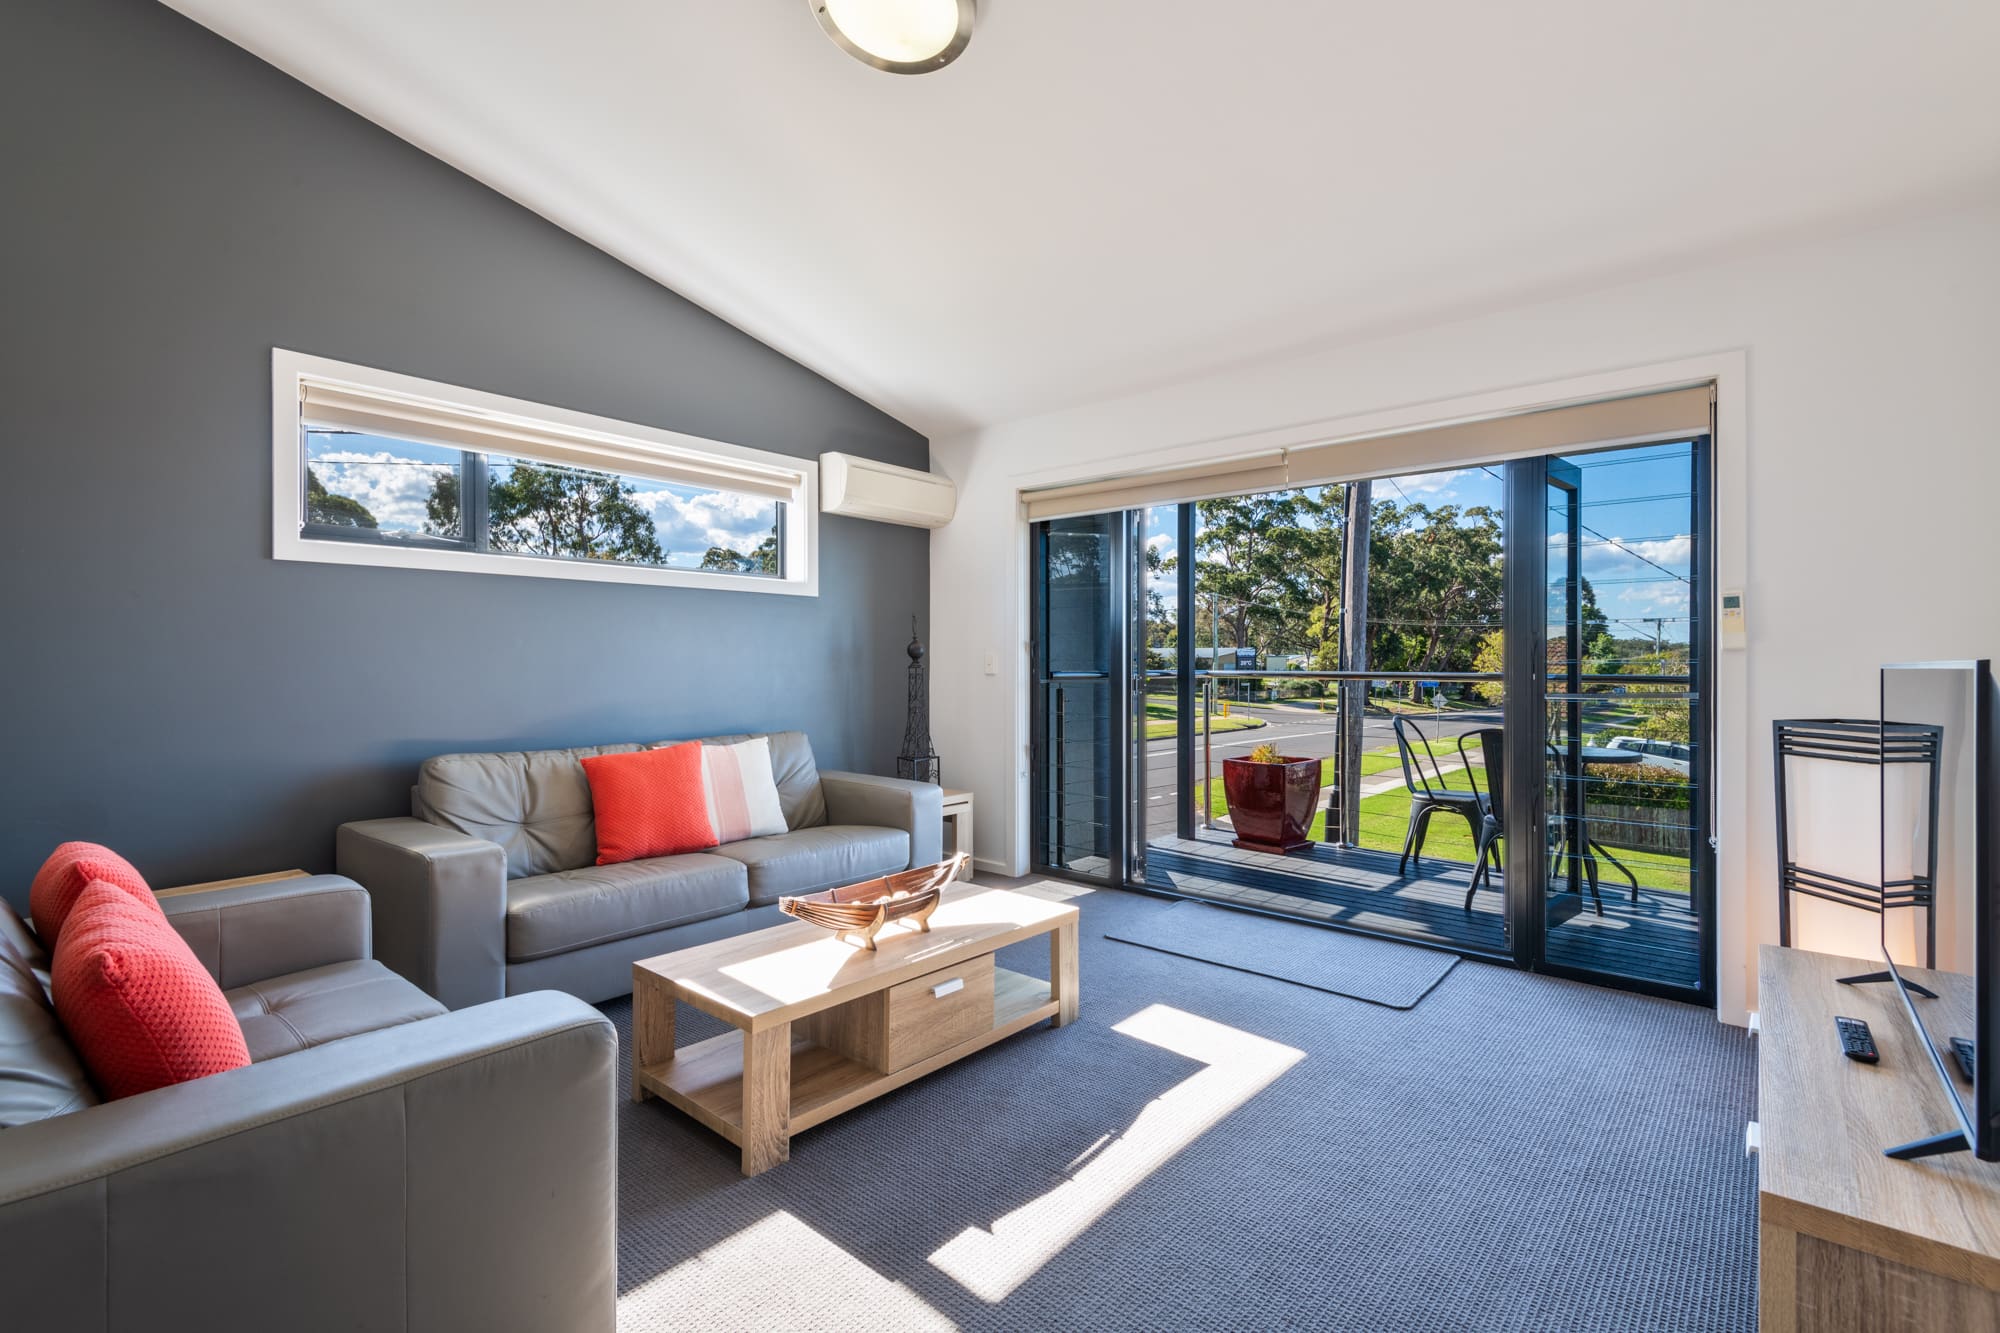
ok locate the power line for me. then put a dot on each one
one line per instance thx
(1613, 541)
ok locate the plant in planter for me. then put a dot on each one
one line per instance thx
(1271, 799)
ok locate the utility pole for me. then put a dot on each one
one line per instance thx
(1353, 654)
(1215, 632)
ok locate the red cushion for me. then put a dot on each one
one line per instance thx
(141, 1011)
(649, 803)
(70, 869)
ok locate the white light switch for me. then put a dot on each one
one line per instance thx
(992, 663)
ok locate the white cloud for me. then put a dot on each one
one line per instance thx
(392, 488)
(1431, 485)
(1666, 559)
(694, 521)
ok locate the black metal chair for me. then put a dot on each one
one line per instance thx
(1429, 793)
(1492, 753)
(1494, 826)
(1493, 759)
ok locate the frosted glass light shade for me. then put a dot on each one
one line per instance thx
(901, 36)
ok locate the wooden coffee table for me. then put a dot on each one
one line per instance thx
(826, 1026)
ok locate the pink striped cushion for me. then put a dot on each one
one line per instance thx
(742, 794)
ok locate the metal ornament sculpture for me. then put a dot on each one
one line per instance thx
(918, 762)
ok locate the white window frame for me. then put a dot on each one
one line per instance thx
(291, 371)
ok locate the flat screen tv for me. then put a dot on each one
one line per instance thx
(1941, 884)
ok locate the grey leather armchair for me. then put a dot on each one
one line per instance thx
(381, 1164)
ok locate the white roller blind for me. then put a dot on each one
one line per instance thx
(1242, 475)
(346, 407)
(1653, 416)
(1675, 414)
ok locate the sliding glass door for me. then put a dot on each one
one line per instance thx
(1539, 640)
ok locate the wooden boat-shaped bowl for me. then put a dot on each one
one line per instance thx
(863, 909)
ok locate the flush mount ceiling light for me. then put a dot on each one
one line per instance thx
(901, 36)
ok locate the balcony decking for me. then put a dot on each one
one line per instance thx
(1656, 938)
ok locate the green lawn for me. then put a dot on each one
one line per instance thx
(1372, 762)
(1385, 819)
(1163, 719)
(1389, 705)
(1160, 729)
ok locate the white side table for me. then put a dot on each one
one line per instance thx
(958, 815)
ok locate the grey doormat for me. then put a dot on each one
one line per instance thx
(1395, 976)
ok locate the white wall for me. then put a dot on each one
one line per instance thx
(1860, 496)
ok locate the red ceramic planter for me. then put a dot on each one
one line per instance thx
(1271, 805)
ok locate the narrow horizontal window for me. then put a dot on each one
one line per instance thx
(383, 469)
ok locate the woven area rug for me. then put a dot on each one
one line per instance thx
(1210, 1149)
(1393, 975)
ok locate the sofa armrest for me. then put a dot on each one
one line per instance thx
(255, 931)
(917, 808)
(440, 905)
(459, 1172)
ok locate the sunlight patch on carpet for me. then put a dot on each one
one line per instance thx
(781, 1273)
(991, 1264)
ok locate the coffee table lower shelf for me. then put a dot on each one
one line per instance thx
(705, 1080)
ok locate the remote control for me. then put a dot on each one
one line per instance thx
(1962, 1048)
(1856, 1041)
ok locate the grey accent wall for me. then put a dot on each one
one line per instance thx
(173, 208)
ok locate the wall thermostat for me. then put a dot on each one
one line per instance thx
(1732, 618)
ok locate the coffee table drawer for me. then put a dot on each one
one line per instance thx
(936, 1012)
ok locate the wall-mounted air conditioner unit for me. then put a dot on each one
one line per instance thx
(864, 488)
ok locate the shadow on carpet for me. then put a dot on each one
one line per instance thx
(1395, 976)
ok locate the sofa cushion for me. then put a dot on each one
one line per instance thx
(552, 914)
(535, 804)
(792, 768)
(70, 869)
(40, 1072)
(808, 860)
(741, 790)
(649, 803)
(141, 1009)
(284, 1014)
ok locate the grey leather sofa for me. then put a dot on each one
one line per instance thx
(491, 887)
(381, 1164)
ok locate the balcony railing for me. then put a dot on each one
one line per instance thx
(1641, 813)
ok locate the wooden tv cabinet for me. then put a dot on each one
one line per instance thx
(1848, 1238)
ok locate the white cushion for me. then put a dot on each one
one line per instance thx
(742, 794)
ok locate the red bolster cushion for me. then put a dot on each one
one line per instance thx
(70, 869)
(139, 1007)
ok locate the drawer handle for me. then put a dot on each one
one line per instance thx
(944, 988)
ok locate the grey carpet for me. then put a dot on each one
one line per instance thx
(1518, 1152)
(1393, 975)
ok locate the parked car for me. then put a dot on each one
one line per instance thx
(1677, 755)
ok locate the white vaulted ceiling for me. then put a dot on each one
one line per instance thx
(1102, 195)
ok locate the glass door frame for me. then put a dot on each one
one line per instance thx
(1524, 849)
(1121, 608)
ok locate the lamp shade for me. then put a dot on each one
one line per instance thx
(900, 36)
(1843, 887)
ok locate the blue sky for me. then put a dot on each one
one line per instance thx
(1637, 550)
